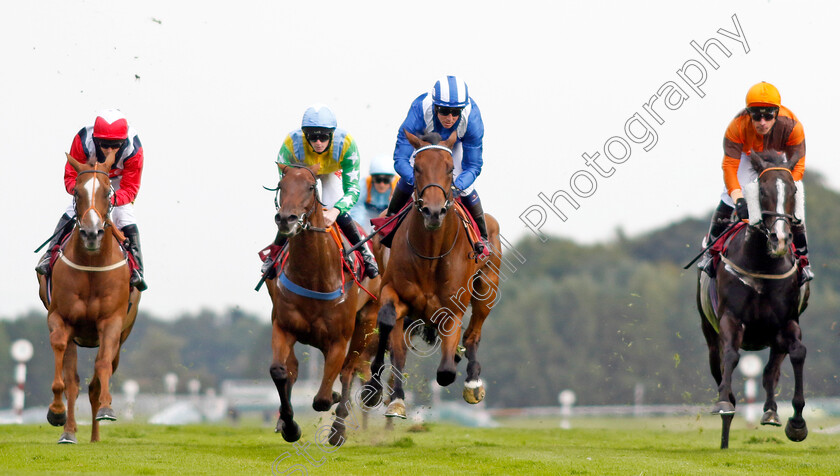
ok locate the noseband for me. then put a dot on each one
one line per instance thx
(110, 202)
(303, 220)
(418, 202)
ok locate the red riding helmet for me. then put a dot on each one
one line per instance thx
(110, 124)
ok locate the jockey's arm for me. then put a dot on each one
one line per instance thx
(349, 177)
(403, 150)
(130, 181)
(472, 160)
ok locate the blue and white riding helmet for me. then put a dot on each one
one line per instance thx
(450, 91)
(318, 116)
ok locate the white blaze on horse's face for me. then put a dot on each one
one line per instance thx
(780, 227)
(91, 222)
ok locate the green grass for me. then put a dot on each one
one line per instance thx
(621, 446)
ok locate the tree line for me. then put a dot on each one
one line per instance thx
(597, 319)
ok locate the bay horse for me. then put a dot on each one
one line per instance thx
(90, 303)
(759, 299)
(315, 302)
(433, 275)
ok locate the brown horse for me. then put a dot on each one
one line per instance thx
(759, 298)
(433, 276)
(315, 302)
(91, 303)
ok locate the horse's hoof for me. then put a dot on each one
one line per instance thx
(396, 409)
(67, 439)
(106, 414)
(474, 391)
(290, 431)
(56, 419)
(723, 408)
(336, 397)
(371, 397)
(445, 377)
(337, 437)
(795, 433)
(771, 418)
(322, 405)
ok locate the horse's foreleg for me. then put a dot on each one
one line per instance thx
(449, 330)
(334, 356)
(769, 380)
(363, 335)
(713, 344)
(386, 319)
(109, 346)
(282, 343)
(796, 429)
(396, 404)
(71, 391)
(484, 294)
(60, 335)
(731, 336)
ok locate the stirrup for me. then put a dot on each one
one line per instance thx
(43, 267)
(137, 281)
(805, 275)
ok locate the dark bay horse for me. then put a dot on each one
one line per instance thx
(315, 302)
(433, 276)
(759, 299)
(91, 303)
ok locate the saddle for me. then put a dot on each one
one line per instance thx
(387, 226)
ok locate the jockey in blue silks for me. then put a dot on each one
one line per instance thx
(446, 109)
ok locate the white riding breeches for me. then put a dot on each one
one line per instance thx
(122, 215)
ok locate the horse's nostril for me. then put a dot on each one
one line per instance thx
(425, 211)
(277, 218)
(291, 219)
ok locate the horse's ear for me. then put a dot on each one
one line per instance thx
(450, 143)
(413, 139)
(792, 162)
(110, 158)
(315, 168)
(758, 162)
(77, 166)
(282, 168)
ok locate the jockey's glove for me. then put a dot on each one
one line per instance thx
(742, 210)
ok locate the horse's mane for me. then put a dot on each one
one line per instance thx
(431, 137)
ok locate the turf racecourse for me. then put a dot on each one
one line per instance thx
(592, 447)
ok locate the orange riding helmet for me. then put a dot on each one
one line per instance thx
(764, 94)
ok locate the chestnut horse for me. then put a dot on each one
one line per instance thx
(315, 302)
(433, 276)
(759, 298)
(91, 303)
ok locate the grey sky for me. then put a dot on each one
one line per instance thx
(213, 89)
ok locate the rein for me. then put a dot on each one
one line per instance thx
(451, 247)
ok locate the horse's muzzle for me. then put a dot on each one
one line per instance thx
(287, 224)
(92, 238)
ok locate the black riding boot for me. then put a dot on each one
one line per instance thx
(267, 269)
(800, 242)
(61, 230)
(477, 212)
(133, 236)
(398, 200)
(721, 220)
(348, 226)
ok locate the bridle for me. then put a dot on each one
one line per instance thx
(447, 194)
(303, 219)
(787, 218)
(80, 216)
(418, 204)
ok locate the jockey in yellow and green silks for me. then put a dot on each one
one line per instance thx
(319, 141)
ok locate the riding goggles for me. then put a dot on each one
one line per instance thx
(449, 111)
(759, 113)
